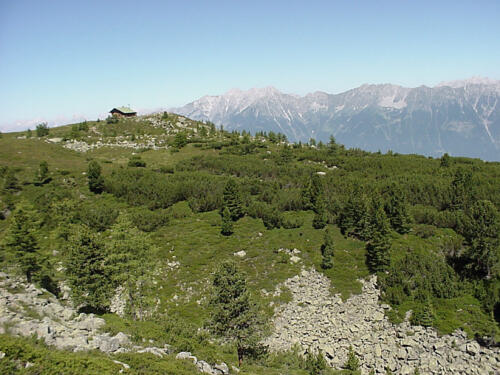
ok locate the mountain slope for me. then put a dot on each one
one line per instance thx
(459, 117)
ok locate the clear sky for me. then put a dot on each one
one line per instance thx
(63, 59)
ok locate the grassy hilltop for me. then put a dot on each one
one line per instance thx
(428, 227)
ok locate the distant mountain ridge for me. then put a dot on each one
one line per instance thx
(459, 117)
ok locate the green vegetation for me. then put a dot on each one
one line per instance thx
(168, 220)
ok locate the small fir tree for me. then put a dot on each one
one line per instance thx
(11, 183)
(320, 219)
(445, 160)
(397, 211)
(423, 315)
(96, 181)
(42, 175)
(231, 199)
(327, 251)
(352, 363)
(378, 253)
(315, 364)
(21, 241)
(234, 316)
(227, 223)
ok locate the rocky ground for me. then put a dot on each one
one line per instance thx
(315, 319)
(26, 310)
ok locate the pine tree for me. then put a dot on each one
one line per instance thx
(397, 211)
(231, 199)
(86, 270)
(378, 253)
(311, 192)
(315, 364)
(320, 219)
(461, 190)
(445, 160)
(21, 241)
(227, 223)
(352, 363)
(353, 215)
(42, 175)
(483, 236)
(376, 222)
(11, 182)
(233, 315)
(423, 315)
(96, 181)
(327, 251)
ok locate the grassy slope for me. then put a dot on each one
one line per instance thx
(195, 241)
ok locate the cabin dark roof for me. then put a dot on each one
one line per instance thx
(124, 110)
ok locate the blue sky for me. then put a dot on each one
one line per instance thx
(62, 59)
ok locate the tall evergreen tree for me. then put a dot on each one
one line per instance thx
(231, 199)
(21, 241)
(234, 316)
(461, 193)
(483, 236)
(320, 219)
(374, 222)
(96, 181)
(378, 253)
(397, 210)
(227, 223)
(86, 270)
(311, 192)
(327, 251)
(352, 217)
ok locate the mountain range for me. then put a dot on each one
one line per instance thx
(461, 118)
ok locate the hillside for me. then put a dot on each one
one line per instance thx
(114, 236)
(461, 118)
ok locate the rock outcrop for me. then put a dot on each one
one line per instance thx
(315, 320)
(26, 310)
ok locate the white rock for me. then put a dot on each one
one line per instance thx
(240, 254)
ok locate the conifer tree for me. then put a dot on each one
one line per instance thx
(231, 199)
(42, 174)
(96, 181)
(311, 192)
(21, 241)
(378, 253)
(397, 211)
(483, 236)
(377, 222)
(234, 316)
(352, 363)
(11, 183)
(227, 223)
(461, 192)
(327, 251)
(320, 219)
(423, 315)
(352, 217)
(86, 270)
(445, 160)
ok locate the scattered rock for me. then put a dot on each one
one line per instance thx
(240, 254)
(316, 320)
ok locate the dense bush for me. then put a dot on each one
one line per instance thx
(417, 275)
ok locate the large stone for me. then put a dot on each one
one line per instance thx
(472, 348)
(186, 355)
(204, 367)
(221, 369)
